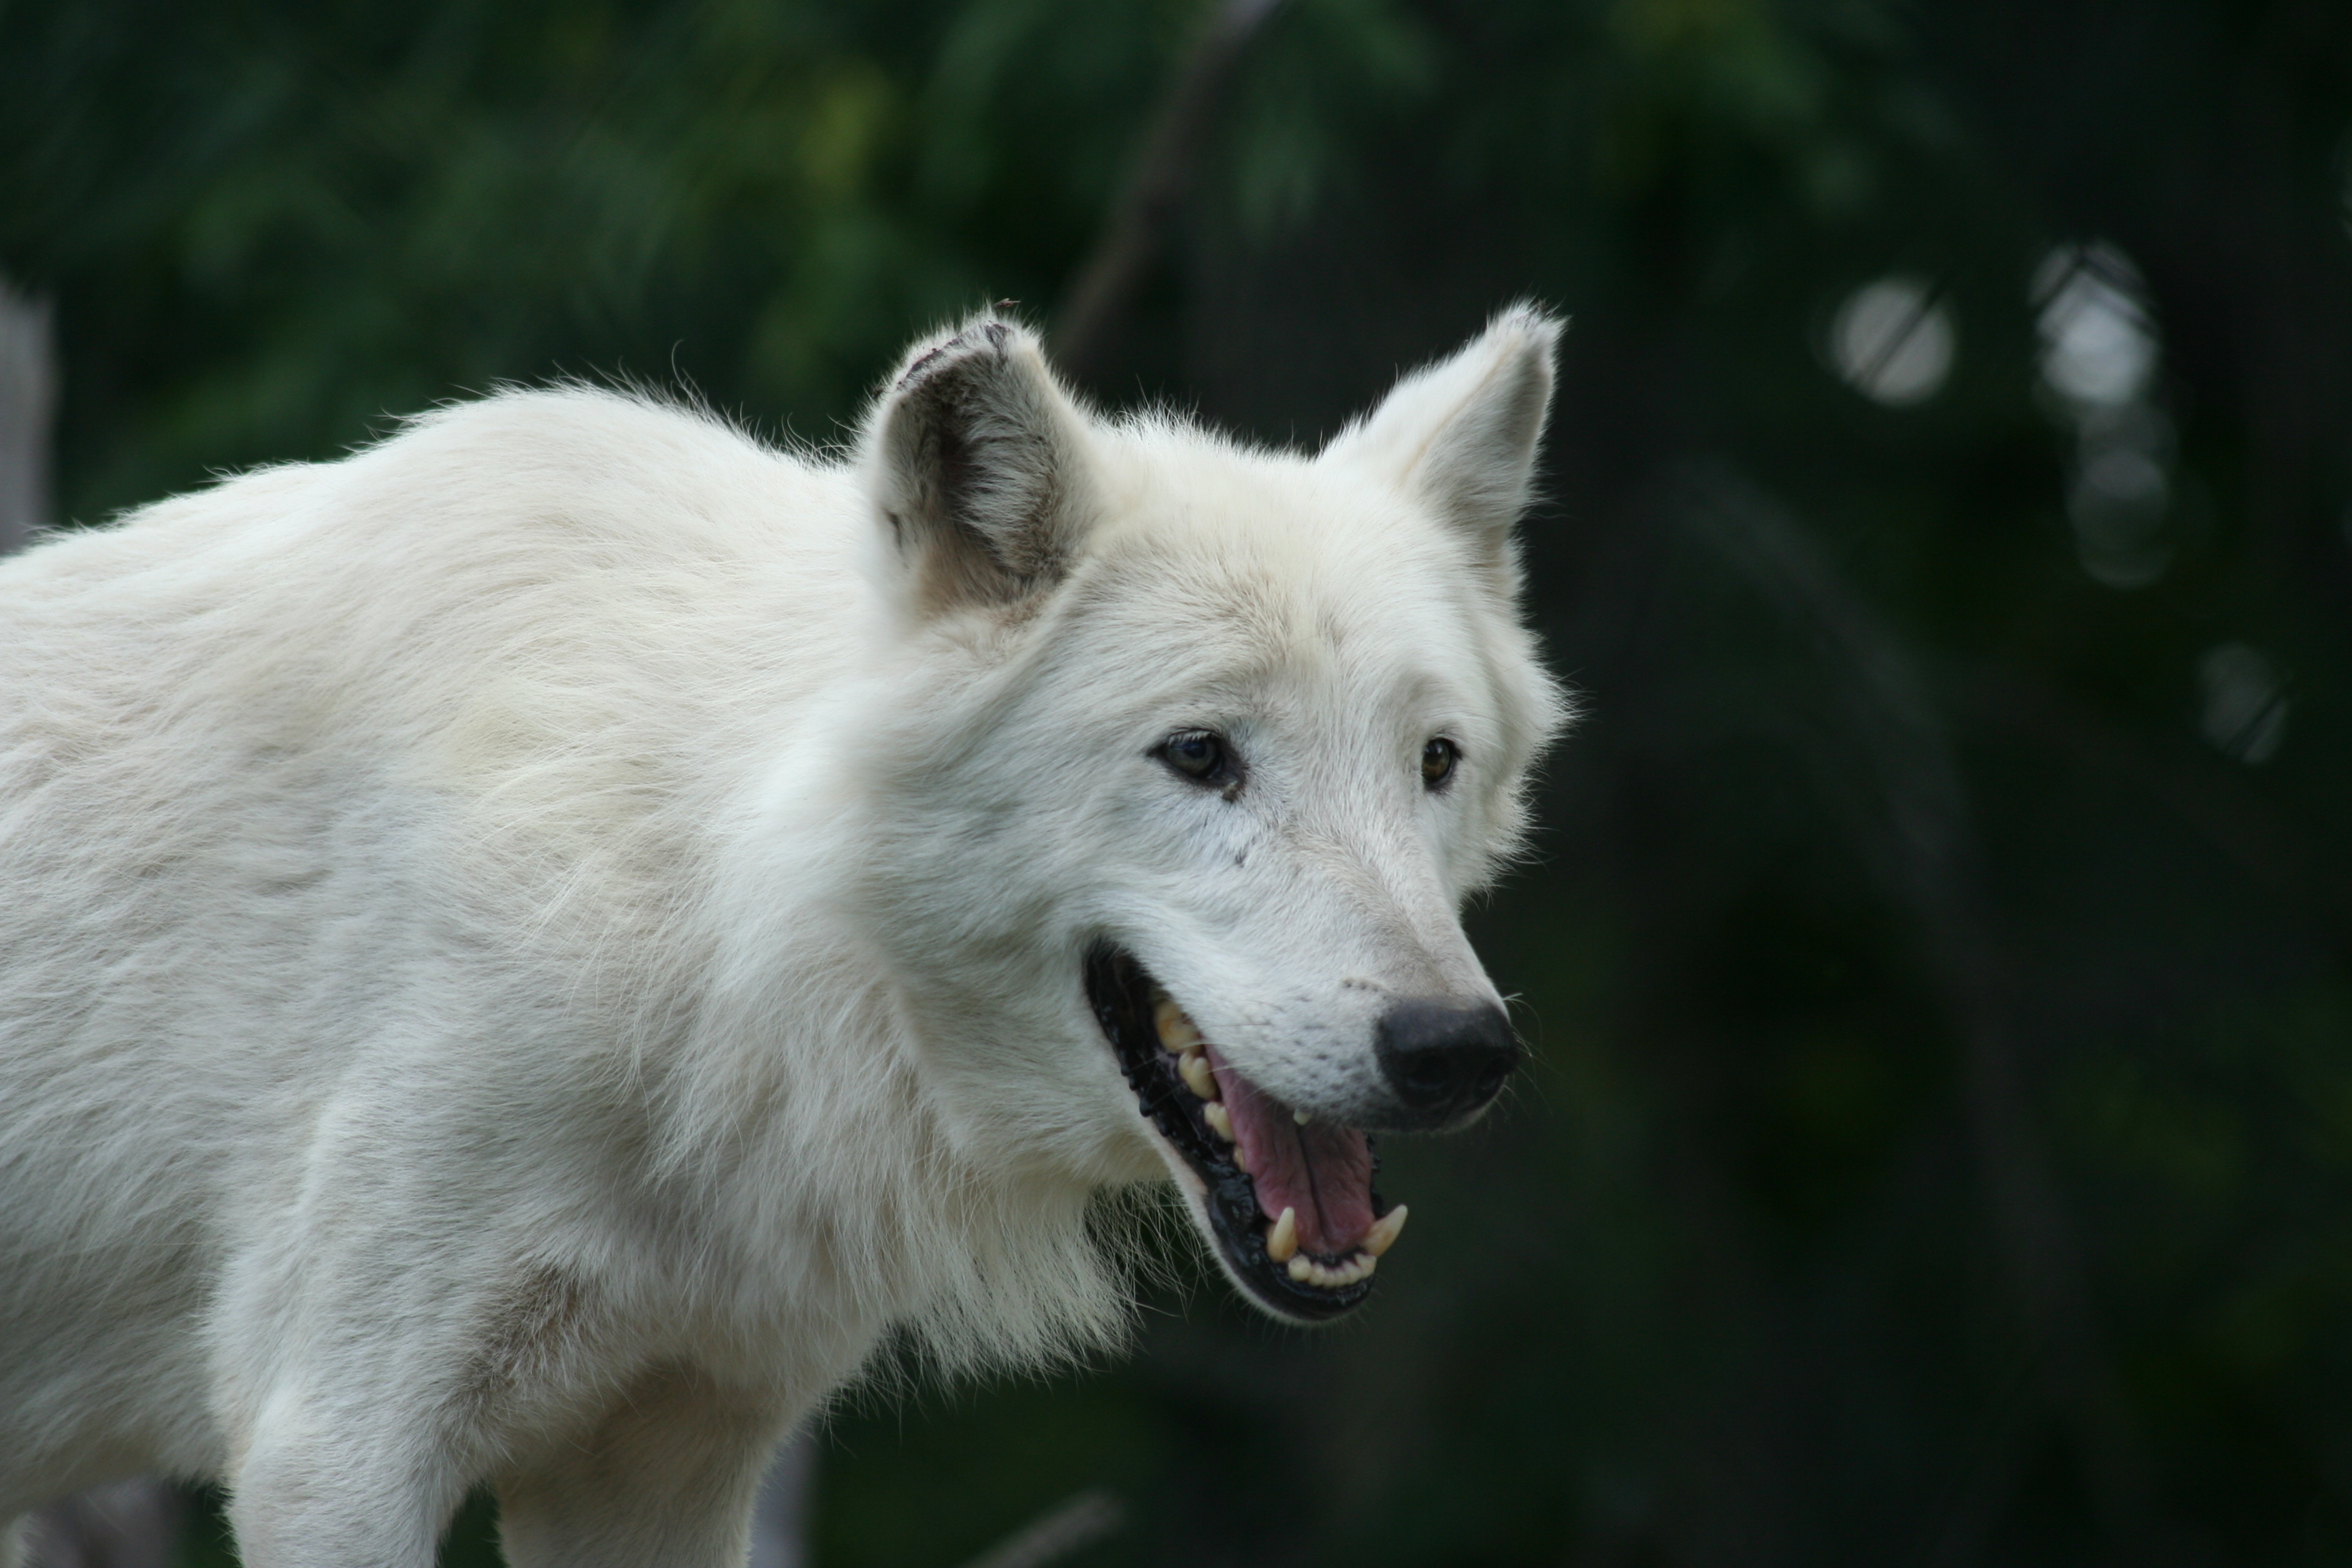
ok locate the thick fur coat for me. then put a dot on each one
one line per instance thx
(526, 952)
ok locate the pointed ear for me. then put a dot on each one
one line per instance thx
(1461, 434)
(979, 464)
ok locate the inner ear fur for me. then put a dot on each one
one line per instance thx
(979, 465)
(1462, 433)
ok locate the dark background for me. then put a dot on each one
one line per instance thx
(1940, 1140)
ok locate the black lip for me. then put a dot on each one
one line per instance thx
(1120, 991)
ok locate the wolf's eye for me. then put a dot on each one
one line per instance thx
(1437, 760)
(1200, 755)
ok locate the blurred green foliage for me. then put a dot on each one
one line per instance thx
(1941, 1147)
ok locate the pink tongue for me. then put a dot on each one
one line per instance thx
(1321, 1172)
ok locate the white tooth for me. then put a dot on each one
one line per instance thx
(1384, 1234)
(1176, 1030)
(1302, 1269)
(1241, 1157)
(1282, 1241)
(1301, 1118)
(1221, 1122)
(1195, 1066)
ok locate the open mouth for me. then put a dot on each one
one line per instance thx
(1289, 1197)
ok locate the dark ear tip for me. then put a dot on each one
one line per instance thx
(988, 334)
(919, 367)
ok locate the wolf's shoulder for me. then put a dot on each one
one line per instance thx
(609, 429)
(647, 554)
(602, 464)
(567, 471)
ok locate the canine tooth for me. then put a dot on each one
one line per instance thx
(1301, 1118)
(1176, 1030)
(1384, 1234)
(1282, 1242)
(1195, 1066)
(1221, 1122)
(1241, 1157)
(1302, 1269)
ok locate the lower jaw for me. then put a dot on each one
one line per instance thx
(1241, 1247)
(1222, 1194)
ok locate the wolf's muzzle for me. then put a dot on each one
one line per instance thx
(1443, 1059)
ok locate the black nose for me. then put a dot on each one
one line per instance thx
(1444, 1059)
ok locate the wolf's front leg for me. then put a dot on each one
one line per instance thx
(331, 1487)
(668, 1476)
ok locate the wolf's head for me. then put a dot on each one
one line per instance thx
(1190, 757)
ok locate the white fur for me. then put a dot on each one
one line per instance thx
(526, 952)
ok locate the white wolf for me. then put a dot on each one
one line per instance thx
(526, 952)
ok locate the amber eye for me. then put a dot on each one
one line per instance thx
(1200, 755)
(1437, 760)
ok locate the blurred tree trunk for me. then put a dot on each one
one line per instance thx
(131, 1524)
(1913, 820)
(28, 390)
(780, 1528)
(1103, 287)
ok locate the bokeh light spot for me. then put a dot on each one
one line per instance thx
(1891, 341)
(2245, 706)
(2117, 503)
(2098, 345)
